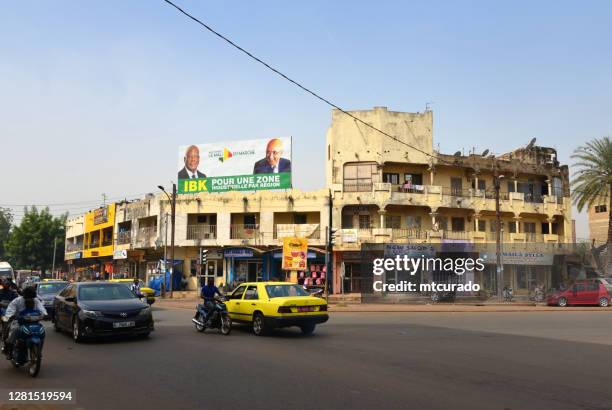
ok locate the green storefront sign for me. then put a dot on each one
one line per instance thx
(253, 182)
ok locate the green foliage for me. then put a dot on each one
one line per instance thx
(30, 245)
(6, 221)
(592, 180)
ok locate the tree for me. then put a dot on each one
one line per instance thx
(31, 243)
(592, 182)
(6, 220)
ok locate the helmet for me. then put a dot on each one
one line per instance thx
(29, 292)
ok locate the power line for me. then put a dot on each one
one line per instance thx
(314, 94)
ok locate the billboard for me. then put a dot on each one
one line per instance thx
(295, 252)
(248, 165)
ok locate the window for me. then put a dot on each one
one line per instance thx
(458, 224)
(493, 225)
(456, 186)
(482, 225)
(555, 228)
(415, 179)
(251, 293)
(107, 236)
(193, 267)
(391, 178)
(512, 227)
(510, 186)
(529, 227)
(413, 222)
(545, 228)
(364, 221)
(600, 208)
(442, 223)
(237, 294)
(360, 177)
(299, 219)
(393, 221)
(482, 184)
(249, 219)
(347, 221)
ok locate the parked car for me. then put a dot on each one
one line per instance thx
(607, 282)
(269, 305)
(93, 309)
(583, 292)
(46, 292)
(145, 290)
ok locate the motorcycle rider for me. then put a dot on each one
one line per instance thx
(28, 303)
(135, 287)
(7, 293)
(208, 293)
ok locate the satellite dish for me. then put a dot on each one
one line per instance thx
(457, 154)
(485, 152)
(531, 143)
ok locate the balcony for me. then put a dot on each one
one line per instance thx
(357, 187)
(146, 235)
(311, 231)
(124, 238)
(201, 232)
(74, 247)
(244, 231)
(408, 233)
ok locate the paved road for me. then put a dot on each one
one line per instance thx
(533, 360)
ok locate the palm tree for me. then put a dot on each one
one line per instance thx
(592, 182)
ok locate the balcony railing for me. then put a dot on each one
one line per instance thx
(410, 189)
(124, 238)
(534, 198)
(456, 235)
(197, 232)
(504, 196)
(244, 231)
(312, 231)
(408, 233)
(466, 193)
(357, 187)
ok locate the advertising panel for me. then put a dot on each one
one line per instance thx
(295, 252)
(249, 165)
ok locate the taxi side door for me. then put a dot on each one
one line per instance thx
(234, 303)
(250, 302)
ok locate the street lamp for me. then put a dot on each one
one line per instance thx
(172, 200)
(499, 266)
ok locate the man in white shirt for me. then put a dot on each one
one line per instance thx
(28, 301)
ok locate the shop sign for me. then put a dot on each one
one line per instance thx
(238, 253)
(295, 252)
(215, 254)
(293, 230)
(120, 254)
(74, 255)
(412, 250)
(457, 245)
(519, 258)
(100, 216)
(279, 254)
(349, 235)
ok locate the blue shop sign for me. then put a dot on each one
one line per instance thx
(238, 253)
(279, 255)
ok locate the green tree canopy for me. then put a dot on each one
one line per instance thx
(30, 244)
(6, 221)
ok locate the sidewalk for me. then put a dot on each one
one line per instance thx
(190, 303)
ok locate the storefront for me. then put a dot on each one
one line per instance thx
(125, 263)
(244, 265)
(315, 276)
(522, 271)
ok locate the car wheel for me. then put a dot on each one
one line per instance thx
(603, 301)
(77, 335)
(562, 302)
(259, 325)
(308, 329)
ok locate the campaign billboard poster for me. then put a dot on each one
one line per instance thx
(248, 165)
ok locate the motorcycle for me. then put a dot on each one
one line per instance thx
(507, 294)
(218, 319)
(538, 295)
(27, 350)
(443, 296)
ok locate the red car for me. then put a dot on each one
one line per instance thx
(584, 292)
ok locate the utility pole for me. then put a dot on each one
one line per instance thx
(54, 250)
(103, 199)
(173, 205)
(499, 266)
(329, 250)
(163, 283)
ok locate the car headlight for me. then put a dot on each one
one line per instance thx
(145, 312)
(91, 313)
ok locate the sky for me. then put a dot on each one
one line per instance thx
(96, 97)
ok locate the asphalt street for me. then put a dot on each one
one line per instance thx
(526, 360)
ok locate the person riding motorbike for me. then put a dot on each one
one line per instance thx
(26, 304)
(208, 293)
(135, 287)
(7, 295)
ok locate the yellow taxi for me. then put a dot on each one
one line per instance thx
(148, 292)
(269, 305)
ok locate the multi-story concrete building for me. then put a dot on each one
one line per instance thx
(599, 220)
(385, 191)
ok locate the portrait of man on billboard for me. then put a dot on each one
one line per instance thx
(273, 163)
(192, 161)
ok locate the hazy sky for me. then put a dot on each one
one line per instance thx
(97, 96)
